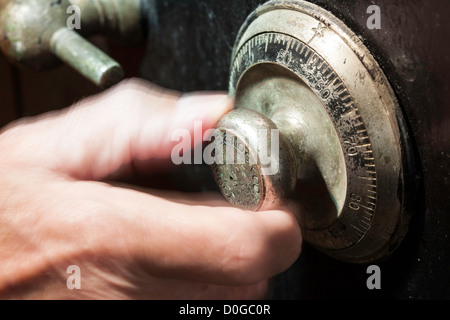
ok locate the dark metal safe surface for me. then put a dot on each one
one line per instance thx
(189, 48)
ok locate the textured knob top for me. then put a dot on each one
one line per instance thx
(257, 168)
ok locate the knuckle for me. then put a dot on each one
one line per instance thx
(244, 260)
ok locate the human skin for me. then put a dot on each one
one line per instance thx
(59, 207)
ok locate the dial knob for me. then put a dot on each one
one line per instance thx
(297, 69)
(259, 168)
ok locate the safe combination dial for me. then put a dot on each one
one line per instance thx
(318, 126)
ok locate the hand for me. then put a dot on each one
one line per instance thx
(56, 209)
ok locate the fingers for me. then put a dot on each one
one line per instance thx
(197, 239)
(219, 245)
(133, 122)
(133, 285)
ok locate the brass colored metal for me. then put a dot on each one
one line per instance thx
(302, 69)
(34, 33)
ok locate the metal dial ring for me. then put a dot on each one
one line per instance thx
(286, 53)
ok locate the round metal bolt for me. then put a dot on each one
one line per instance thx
(259, 168)
(86, 58)
(35, 33)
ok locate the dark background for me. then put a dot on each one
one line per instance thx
(189, 48)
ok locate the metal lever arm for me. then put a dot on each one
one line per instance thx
(34, 33)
